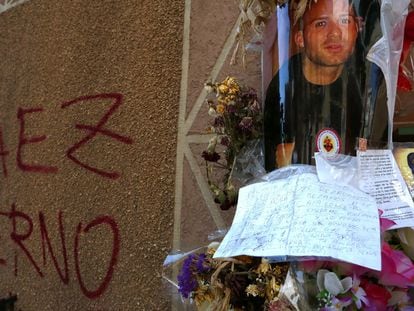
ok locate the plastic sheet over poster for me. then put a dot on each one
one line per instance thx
(331, 77)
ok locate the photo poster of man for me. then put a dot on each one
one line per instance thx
(322, 94)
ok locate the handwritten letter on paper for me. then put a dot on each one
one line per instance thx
(299, 216)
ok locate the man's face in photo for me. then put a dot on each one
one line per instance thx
(329, 32)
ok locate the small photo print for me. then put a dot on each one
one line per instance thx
(405, 160)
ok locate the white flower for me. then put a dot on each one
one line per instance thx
(209, 88)
(338, 304)
(212, 112)
(330, 281)
(359, 293)
(212, 145)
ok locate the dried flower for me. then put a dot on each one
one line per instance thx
(209, 87)
(252, 290)
(186, 281)
(210, 157)
(255, 15)
(212, 145)
(220, 109)
(228, 283)
(272, 288)
(212, 247)
(237, 283)
(223, 89)
(224, 140)
(201, 264)
(264, 267)
(246, 124)
(237, 120)
(255, 106)
(279, 305)
(203, 294)
(212, 112)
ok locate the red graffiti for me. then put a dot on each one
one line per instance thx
(23, 140)
(64, 276)
(22, 239)
(26, 143)
(94, 130)
(92, 294)
(19, 238)
(3, 154)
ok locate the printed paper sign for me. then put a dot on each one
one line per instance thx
(380, 177)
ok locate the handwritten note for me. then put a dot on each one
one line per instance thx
(380, 177)
(299, 216)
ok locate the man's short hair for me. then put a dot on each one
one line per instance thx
(299, 8)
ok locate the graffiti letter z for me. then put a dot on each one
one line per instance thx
(96, 129)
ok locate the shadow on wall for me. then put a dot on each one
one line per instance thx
(7, 304)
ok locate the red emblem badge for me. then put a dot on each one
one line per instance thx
(328, 141)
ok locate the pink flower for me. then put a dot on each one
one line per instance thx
(397, 268)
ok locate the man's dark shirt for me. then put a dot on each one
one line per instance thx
(296, 110)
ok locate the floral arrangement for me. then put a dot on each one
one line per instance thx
(251, 283)
(237, 119)
(240, 283)
(342, 286)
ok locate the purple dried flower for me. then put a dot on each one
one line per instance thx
(225, 141)
(249, 96)
(246, 124)
(186, 280)
(252, 92)
(231, 108)
(218, 121)
(254, 106)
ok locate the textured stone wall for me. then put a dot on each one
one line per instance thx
(89, 94)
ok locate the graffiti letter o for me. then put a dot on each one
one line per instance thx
(93, 294)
